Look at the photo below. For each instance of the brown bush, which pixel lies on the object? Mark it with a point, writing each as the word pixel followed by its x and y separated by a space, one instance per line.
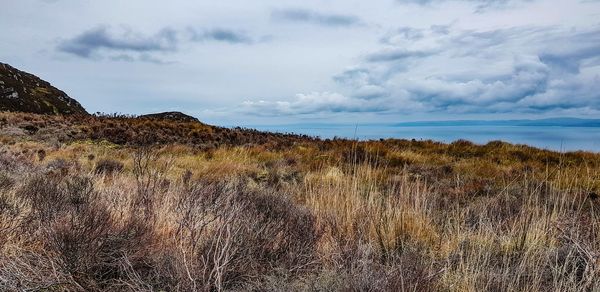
pixel 5 181
pixel 108 166
pixel 59 166
pixel 255 234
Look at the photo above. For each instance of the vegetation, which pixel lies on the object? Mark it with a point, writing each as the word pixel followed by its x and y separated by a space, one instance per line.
pixel 115 203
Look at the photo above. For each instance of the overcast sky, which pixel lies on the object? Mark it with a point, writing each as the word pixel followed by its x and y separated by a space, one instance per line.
pixel 280 61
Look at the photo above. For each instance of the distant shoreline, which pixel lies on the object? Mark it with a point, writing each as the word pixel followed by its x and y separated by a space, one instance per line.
pixel 550 122
pixel 566 137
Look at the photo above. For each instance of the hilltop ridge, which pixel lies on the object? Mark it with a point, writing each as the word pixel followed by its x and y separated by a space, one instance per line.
pixel 173 116
pixel 24 92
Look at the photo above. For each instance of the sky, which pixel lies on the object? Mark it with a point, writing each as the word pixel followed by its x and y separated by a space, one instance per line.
pixel 344 61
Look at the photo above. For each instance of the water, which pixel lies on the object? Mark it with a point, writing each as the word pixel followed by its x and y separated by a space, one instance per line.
pixel 549 137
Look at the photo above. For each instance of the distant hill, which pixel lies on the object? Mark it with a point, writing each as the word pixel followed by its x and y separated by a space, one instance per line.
pixel 552 122
pixel 172 116
pixel 24 92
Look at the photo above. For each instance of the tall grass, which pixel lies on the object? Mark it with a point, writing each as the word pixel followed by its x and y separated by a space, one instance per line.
pixel 382 218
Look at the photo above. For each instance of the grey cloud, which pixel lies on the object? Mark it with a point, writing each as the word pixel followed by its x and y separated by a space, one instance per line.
pixel 90 42
pixel 129 46
pixel 527 79
pixel 397 55
pixel 312 103
pixel 496 71
pixel 222 35
pixel 123 58
pixel 354 76
pixel 583 46
pixel 363 84
pixel 481 5
pixel 309 16
pixel 405 33
pixel 482 43
pixel 480 2
pixel 540 81
pixel 440 29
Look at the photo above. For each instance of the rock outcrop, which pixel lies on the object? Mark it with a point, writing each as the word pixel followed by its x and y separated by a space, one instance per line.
pixel 24 92
pixel 173 116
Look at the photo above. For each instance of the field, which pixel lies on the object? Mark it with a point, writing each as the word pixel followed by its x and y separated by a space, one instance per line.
pixel 115 203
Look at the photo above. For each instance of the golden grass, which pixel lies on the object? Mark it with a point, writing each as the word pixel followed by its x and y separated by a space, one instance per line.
pixel 336 215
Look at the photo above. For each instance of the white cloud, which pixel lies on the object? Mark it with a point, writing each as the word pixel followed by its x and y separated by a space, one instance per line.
pixel 516 70
pixel 315 102
pixel 346 57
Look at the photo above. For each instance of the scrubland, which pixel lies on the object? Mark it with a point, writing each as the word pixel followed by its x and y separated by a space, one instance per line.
pixel 122 204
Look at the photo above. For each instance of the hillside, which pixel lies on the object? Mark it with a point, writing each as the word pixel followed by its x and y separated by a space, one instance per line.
pixel 24 92
pixel 119 203
pixel 135 131
pixel 173 116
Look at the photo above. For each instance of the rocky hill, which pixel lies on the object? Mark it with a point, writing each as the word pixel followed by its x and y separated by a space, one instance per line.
pixel 172 116
pixel 24 92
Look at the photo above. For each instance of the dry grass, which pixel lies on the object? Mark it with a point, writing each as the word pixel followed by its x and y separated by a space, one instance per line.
pixel 310 215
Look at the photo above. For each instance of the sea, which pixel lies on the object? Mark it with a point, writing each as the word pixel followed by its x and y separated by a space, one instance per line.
pixel 558 138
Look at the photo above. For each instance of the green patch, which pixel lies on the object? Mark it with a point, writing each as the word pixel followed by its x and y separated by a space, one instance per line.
pixel 102 143
pixel 40 91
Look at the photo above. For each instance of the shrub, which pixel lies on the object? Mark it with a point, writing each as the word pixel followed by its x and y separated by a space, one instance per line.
pixel 59 166
pixel 41 154
pixel 31 129
pixel 45 195
pixel 5 181
pixel 77 229
pixel 253 233
pixel 108 166
pixel 10 163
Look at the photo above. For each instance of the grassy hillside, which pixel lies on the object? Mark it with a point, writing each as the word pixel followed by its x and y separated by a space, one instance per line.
pixel 111 203
pixel 24 92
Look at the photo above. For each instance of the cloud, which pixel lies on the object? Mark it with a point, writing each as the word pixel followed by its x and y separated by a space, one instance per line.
pixel 481 5
pixel 397 55
pixel 514 70
pixel 313 17
pixel 425 2
pixel 509 70
pixel 222 35
pixel 586 47
pixel 90 42
pixel 129 46
pixel 405 33
pixel 311 103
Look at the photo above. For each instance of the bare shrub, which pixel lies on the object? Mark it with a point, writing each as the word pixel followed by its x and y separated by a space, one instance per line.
pixel 13 163
pixel 24 270
pixel 93 249
pixel 41 154
pixel 5 181
pixel 46 197
pixel 59 167
pixel 239 235
pixel 31 129
pixel 108 166
pixel 78 239
pixel 150 177
pixel 408 272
